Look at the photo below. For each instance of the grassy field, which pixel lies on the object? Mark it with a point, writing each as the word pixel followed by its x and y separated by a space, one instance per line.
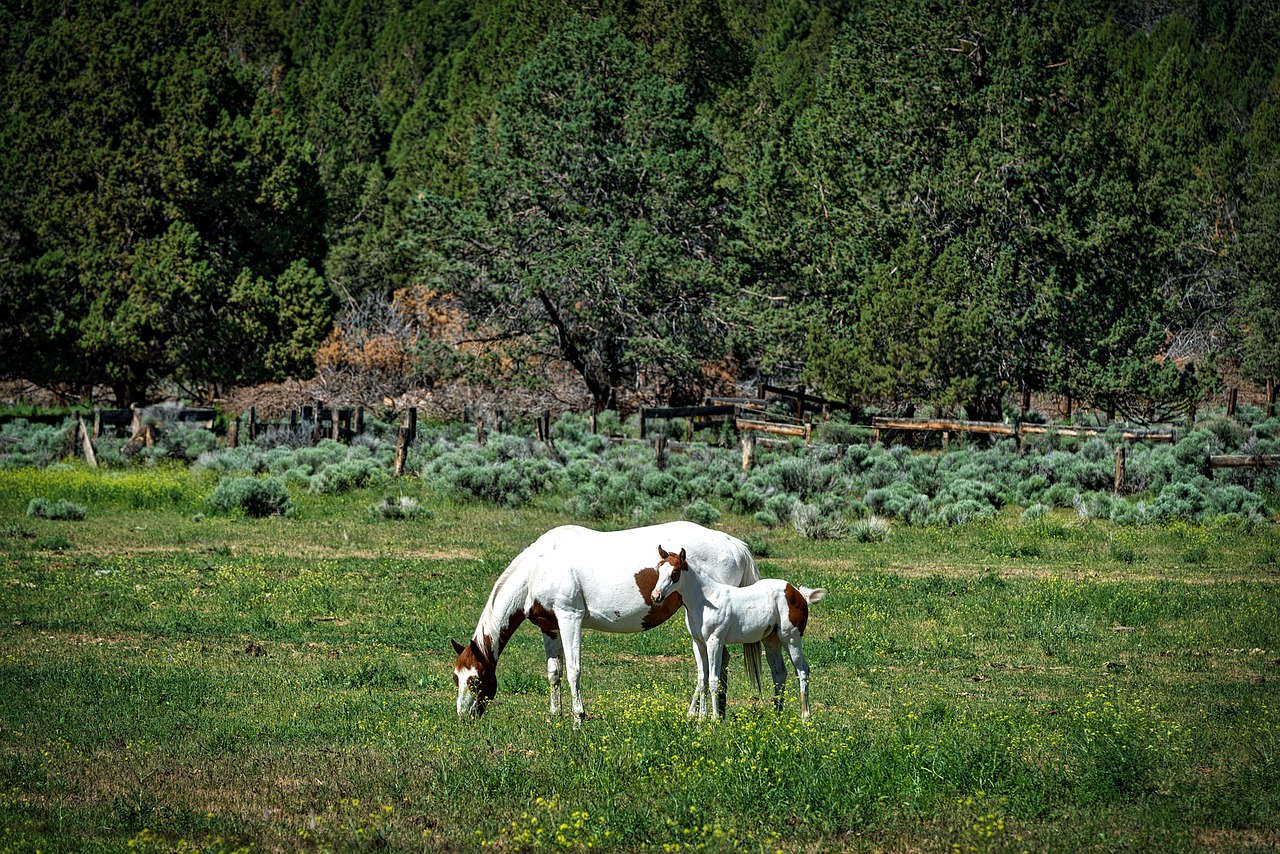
pixel 174 680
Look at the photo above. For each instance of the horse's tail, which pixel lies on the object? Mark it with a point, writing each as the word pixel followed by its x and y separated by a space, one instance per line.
pixel 750 651
pixel 751 662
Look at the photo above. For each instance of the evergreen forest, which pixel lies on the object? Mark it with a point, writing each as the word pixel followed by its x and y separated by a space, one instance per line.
pixel 892 202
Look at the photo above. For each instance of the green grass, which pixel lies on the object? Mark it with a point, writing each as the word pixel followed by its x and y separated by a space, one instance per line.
pixel 171 680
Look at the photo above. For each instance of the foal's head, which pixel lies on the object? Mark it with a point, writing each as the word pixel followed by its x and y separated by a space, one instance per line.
pixel 474 676
pixel 670 566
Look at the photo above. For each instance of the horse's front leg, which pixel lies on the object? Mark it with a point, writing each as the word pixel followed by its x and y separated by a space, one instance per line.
pixel 555 665
pixel 715 663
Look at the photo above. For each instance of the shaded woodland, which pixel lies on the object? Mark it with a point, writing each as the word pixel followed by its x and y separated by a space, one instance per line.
pixel 957 205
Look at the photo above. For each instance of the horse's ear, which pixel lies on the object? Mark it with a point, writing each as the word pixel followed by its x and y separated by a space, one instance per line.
pixel 457 647
pixel 682 557
pixel 662 553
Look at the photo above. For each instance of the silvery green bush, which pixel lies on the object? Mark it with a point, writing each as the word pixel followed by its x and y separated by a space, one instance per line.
pixel 257 497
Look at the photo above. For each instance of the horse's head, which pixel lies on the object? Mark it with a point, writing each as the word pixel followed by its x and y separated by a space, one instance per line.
pixel 669 567
pixel 474 675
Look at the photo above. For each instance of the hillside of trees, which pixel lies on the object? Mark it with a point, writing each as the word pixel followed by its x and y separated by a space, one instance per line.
pixel 892 201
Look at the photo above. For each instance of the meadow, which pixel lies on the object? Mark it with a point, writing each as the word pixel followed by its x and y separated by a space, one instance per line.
pixel 174 679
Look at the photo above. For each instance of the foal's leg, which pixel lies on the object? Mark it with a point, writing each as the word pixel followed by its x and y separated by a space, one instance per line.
pixel 555 665
pixel 696 704
pixel 715 661
pixel 699 702
pixel 777 667
pixel 796 651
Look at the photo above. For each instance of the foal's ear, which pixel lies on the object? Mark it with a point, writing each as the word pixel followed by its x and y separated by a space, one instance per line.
pixel 662 553
pixel 457 647
pixel 682 557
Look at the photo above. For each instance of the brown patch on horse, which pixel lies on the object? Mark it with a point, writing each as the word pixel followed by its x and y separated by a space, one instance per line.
pixel 660 612
pixel 797 608
pixel 478 658
pixel 517 617
pixel 544 618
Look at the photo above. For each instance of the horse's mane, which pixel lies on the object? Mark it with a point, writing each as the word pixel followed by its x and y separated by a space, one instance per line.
pixel 516 573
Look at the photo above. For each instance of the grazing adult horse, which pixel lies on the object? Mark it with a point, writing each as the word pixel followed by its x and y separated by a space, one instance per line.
pixel 771 611
pixel 573 578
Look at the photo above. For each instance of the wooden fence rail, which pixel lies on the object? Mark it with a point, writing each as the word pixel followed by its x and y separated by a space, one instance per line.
pixel 1016 431
pixel 1240 461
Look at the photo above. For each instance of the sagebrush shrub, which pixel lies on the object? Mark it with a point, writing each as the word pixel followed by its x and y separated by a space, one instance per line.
pixel 872 529
pixel 702 512
pixel 963 512
pixel 815 522
pixel 659 484
pixel 345 476
pixel 186 443
pixel 24 444
pixel 61 510
pixel 396 508
pixel 1180 501
pixel 1035 513
pixel 257 497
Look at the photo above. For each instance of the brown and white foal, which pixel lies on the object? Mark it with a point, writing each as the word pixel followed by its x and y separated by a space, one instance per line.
pixel 772 611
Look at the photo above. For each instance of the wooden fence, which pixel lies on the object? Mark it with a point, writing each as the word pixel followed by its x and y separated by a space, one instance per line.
pixel 1015 431
pixel 776 416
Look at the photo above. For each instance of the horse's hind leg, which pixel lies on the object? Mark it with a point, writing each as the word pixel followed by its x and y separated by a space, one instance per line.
pixel 722 693
pixel 777 668
pixel 571 640
pixel 555 666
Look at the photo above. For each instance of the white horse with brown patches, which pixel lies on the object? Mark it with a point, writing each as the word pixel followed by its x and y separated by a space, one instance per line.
pixel 574 578
pixel 771 611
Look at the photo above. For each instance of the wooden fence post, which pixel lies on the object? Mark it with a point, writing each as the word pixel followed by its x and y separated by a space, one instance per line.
pixel 86 443
pixel 660 450
pixel 748 450
pixel 1231 401
pixel 1271 397
pixel 97 422
pixel 358 426
pixel 253 423
pixel 1119 485
pixel 233 433
pixel 402 450
pixel 413 424
pixel 480 432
